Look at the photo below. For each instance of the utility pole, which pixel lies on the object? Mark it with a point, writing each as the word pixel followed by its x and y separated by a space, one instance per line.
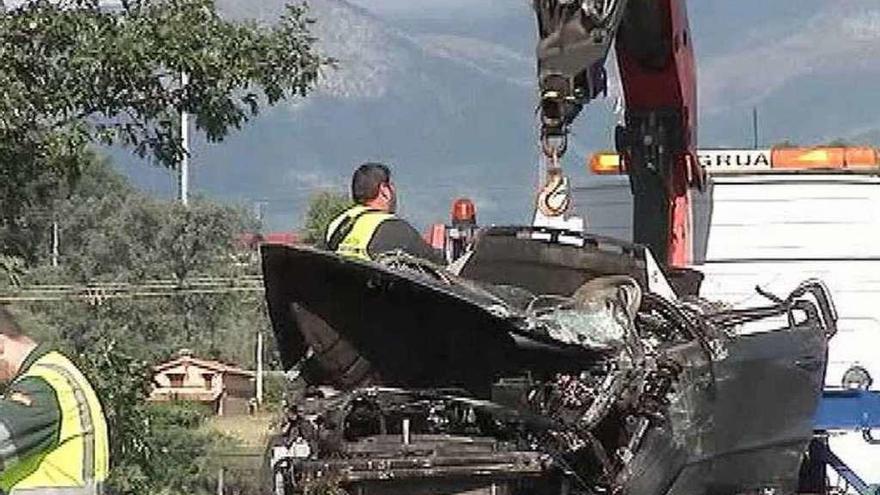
pixel 755 126
pixel 259 213
pixel 183 172
pixel 259 367
pixel 258 210
pixel 54 242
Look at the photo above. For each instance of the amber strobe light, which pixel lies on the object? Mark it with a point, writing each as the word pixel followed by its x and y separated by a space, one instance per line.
pixel 605 163
pixel 463 211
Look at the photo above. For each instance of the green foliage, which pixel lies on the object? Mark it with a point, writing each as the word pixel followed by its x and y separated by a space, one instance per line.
pixel 110 232
pixel 274 387
pixel 122 381
pixel 134 237
pixel 177 456
pixel 324 206
pixel 122 236
pixel 155 448
pixel 11 270
pixel 785 144
pixel 76 73
pixel 181 463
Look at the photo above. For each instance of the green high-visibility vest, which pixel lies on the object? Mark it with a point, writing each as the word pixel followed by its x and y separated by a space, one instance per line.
pixel 79 462
pixel 350 233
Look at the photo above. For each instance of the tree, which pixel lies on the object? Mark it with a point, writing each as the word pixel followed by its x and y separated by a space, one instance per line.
pixel 117 234
pixel 324 206
pixel 785 144
pixel 122 381
pixel 154 448
pixel 11 270
pixel 76 73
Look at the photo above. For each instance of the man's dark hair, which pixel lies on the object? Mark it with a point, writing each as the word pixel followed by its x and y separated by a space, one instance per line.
pixel 366 181
pixel 8 326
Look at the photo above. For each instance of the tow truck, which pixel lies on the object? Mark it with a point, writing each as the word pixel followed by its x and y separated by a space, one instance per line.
pixel 766 219
pixel 670 398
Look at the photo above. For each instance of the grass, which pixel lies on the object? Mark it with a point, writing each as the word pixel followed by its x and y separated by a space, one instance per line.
pixel 252 431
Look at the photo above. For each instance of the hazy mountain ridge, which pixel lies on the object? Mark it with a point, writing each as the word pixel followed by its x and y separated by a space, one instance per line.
pixel 444 123
pixel 368 52
pixel 491 59
pixel 449 99
pixel 811 74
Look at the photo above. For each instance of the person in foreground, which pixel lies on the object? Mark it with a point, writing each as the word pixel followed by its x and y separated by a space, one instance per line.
pixel 53 435
pixel 370 227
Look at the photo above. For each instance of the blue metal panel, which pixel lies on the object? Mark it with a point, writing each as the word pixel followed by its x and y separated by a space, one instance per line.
pixel 848 410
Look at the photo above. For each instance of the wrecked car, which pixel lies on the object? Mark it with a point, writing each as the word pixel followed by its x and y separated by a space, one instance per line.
pixel 545 362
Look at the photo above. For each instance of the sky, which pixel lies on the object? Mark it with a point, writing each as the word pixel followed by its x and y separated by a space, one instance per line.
pixel 424 8
pixel 402 4
pixel 809 66
pixel 413 5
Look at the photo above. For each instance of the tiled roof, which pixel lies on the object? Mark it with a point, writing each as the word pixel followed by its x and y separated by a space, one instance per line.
pixel 208 364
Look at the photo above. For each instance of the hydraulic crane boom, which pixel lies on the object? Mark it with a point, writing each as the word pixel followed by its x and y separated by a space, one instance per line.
pixel 658 139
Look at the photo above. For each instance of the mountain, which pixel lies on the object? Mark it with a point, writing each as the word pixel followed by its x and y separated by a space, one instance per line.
pixel 444 92
pixel 447 122
pixel 812 75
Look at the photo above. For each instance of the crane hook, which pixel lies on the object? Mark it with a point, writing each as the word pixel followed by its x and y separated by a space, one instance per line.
pixel 554 198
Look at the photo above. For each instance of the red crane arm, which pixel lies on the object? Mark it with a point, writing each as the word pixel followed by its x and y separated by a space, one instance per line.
pixel 658 140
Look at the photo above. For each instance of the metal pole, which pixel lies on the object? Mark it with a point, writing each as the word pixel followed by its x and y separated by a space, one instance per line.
pixel 184 143
pixel 54 243
pixel 405 431
pixel 220 487
pixel 259 368
pixel 258 210
pixel 755 126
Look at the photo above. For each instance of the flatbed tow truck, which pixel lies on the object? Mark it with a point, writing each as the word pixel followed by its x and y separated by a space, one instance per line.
pixel 848 411
pixel 766 219
pixel 656 147
pixel 550 361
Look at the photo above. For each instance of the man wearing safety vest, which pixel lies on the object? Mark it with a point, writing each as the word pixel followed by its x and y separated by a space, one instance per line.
pixel 53 436
pixel 370 227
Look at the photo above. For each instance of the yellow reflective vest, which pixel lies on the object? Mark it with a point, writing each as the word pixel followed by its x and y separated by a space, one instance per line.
pixel 79 462
pixel 350 233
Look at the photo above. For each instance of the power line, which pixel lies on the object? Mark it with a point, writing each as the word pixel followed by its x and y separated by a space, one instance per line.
pixel 98 297
pixel 428 188
pixel 147 286
pixel 187 282
pixel 100 291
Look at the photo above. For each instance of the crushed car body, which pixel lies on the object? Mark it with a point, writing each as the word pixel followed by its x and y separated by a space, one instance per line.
pixel 539 367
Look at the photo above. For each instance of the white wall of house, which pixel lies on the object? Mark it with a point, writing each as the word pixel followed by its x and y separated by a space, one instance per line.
pixel 189 375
